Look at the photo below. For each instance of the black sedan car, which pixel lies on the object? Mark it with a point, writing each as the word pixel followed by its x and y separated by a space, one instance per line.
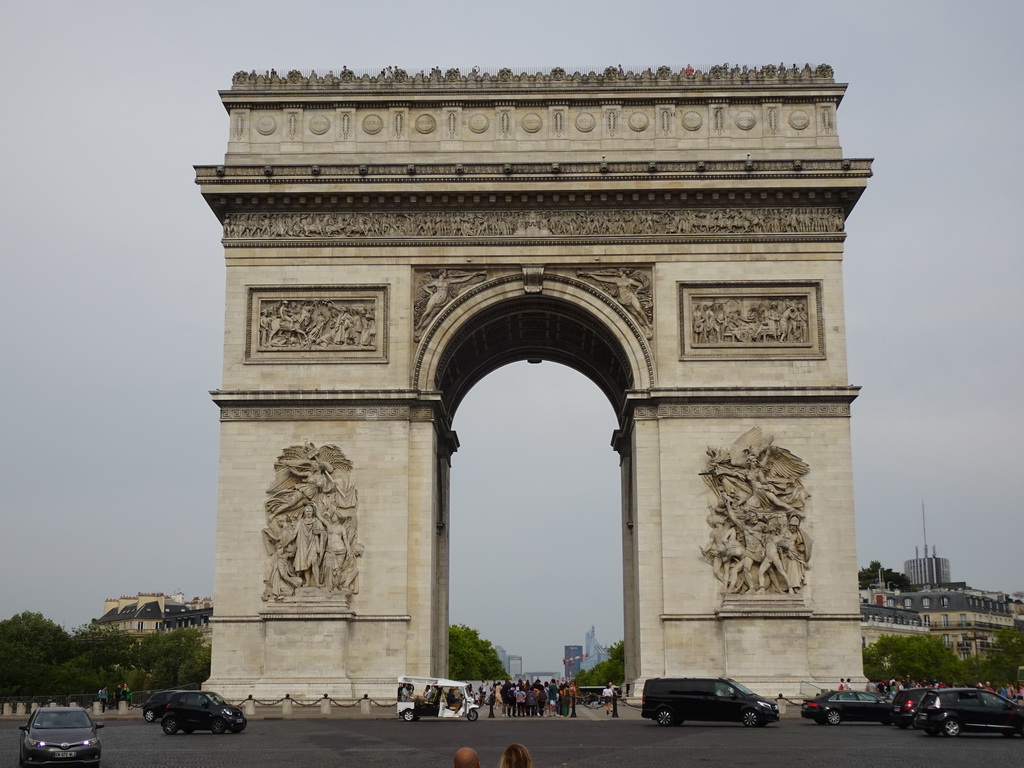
pixel 190 711
pixel 952 711
pixel 59 735
pixel 833 707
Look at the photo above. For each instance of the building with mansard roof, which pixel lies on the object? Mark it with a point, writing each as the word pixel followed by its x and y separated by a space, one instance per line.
pixel 150 612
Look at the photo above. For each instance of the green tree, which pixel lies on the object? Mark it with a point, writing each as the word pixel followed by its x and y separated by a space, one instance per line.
pixel 172 658
pixel 471 657
pixel 1001 666
pixel 915 657
pixel 31 648
pixel 105 646
pixel 874 573
pixel 611 670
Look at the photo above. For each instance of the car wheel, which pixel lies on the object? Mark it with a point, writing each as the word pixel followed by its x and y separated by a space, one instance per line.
pixel 951 728
pixel 750 718
pixel 408 715
pixel 217 725
pixel 170 725
pixel 664 716
pixel 472 715
pixel 903 726
pixel 833 717
pixel 149 715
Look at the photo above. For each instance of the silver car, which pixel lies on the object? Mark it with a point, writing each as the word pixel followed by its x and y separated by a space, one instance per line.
pixel 59 735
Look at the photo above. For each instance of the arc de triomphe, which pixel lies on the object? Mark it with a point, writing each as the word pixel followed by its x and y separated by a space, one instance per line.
pixel 390 239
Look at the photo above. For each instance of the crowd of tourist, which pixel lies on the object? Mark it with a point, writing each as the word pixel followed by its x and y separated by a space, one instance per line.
pixel 525 699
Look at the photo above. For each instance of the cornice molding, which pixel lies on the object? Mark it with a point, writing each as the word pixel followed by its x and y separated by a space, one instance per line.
pixel 743 402
pixel 548 172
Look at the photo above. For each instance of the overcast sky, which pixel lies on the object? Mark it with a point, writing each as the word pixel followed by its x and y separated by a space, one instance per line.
pixel 112 276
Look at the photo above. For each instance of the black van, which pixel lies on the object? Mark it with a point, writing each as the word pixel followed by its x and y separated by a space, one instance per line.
pixel 672 700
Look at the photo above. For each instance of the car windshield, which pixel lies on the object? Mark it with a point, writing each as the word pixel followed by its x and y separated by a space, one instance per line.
pixel 742 688
pixel 216 699
pixel 62 720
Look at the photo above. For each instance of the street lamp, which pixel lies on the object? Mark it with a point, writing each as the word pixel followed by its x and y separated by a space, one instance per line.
pixel 972 637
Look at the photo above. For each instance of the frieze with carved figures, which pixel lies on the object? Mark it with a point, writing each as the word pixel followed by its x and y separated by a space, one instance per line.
pixel 570 223
pixel 329 324
pixel 750 320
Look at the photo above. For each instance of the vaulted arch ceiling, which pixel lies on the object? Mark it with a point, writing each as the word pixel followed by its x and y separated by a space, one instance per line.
pixel 533 328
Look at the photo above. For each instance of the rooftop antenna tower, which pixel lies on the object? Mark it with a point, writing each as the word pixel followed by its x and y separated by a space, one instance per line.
pixel 924 525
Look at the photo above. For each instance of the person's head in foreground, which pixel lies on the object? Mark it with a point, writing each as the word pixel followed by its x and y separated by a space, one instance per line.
pixel 515 756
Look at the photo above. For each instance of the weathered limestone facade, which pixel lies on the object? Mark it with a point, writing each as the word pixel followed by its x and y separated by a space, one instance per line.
pixel 389 240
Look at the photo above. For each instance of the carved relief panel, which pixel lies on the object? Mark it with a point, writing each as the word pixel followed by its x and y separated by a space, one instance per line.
pixel 534 223
pixel 758 542
pixel 311 536
pixel 631 288
pixel 434 289
pixel 742 321
pixel 322 324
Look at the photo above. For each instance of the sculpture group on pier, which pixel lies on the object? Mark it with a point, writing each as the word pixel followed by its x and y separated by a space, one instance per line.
pixel 311 534
pixel 758 543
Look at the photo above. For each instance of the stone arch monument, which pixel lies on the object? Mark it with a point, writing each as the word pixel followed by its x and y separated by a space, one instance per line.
pixel 390 238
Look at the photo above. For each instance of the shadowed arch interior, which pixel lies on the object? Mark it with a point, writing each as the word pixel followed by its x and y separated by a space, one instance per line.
pixel 533 328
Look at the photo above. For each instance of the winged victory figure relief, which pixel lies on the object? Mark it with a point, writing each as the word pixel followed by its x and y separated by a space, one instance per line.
pixel 758 543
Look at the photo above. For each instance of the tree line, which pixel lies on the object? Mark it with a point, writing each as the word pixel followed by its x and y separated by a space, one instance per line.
pixel 926 658
pixel 38 657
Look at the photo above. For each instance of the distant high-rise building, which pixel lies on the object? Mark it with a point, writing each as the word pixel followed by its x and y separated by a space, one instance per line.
pixel 571 660
pixel 927 570
pixel 502 657
pixel 593 651
pixel 515 666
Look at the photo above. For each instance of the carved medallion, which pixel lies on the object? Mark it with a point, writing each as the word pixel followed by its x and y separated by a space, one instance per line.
pixel 479 123
pixel 638 121
pixel 373 124
pixel 745 120
pixel 319 125
pixel 266 125
pixel 585 122
pixel 692 121
pixel 531 123
pixel 425 124
pixel 311 536
pixel 799 120
pixel 757 543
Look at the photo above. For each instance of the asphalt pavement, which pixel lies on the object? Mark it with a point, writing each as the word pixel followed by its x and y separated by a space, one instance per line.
pixel 590 741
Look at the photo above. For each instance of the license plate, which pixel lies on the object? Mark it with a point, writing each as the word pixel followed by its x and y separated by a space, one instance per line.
pixel 65 754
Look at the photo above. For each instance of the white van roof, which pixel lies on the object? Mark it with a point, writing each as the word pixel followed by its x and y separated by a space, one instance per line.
pixel 441 681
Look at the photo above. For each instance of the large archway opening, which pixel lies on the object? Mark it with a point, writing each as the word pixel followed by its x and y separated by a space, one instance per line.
pixel 535 515
pixel 536 386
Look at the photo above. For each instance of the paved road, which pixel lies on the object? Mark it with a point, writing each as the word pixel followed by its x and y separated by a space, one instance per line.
pixel 559 743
